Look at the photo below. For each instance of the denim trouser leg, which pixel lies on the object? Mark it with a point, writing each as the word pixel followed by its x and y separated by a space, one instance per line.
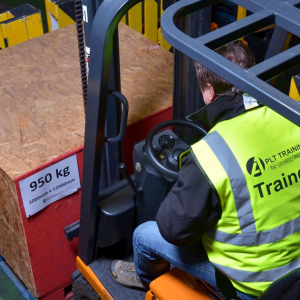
pixel 153 256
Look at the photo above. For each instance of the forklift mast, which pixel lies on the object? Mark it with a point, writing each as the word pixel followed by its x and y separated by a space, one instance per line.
pixel 104 43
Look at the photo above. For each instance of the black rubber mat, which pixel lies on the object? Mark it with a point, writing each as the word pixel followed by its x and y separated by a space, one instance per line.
pixel 116 290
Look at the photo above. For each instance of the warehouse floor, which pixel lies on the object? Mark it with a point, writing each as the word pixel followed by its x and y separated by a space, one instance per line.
pixel 10 286
pixel 8 290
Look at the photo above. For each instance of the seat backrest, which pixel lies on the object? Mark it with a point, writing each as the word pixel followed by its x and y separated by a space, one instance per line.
pixel 284 288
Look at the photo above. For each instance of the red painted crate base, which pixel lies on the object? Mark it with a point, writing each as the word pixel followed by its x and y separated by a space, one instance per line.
pixel 63 293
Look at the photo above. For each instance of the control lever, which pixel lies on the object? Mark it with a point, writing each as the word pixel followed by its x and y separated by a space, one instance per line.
pixel 124 171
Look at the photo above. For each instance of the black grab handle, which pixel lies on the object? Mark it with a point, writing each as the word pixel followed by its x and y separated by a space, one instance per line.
pixel 124 117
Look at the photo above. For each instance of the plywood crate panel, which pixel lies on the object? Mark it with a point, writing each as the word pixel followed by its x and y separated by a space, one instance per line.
pixel 42 122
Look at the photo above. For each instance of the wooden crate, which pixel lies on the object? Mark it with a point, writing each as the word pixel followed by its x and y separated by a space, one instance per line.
pixel 42 122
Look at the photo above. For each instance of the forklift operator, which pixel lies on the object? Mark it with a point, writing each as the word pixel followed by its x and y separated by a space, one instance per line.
pixel 235 206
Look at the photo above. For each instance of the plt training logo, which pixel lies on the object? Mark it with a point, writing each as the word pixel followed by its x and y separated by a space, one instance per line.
pixel 255 167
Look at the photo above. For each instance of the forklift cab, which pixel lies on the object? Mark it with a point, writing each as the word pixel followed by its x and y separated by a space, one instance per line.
pixel 109 217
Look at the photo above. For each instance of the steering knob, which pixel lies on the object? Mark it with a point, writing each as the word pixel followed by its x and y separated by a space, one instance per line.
pixel 176 153
pixel 173 158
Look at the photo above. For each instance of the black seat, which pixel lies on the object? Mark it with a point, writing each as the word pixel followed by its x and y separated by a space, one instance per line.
pixel 284 288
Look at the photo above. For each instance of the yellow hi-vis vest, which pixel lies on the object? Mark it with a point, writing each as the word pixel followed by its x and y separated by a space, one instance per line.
pixel 253 163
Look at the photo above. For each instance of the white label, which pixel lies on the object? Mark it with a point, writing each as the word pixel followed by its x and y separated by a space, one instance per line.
pixel 49 185
pixel 85 14
pixel 54 22
pixel 249 102
pixel 87 51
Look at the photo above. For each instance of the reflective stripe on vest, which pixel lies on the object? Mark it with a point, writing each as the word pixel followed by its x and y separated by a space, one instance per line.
pixel 237 180
pixel 261 276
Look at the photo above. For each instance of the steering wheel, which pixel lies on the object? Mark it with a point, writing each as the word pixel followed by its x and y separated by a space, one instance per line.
pixel 150 151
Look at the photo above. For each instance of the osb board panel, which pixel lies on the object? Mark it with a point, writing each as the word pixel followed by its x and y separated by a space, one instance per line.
pixel 13 245
pixel 41 107
pixel 146 74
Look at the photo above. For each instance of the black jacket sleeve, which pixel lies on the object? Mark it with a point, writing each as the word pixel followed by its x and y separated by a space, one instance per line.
pixel 191 207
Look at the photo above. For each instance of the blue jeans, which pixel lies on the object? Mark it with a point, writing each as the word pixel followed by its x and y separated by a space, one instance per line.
pixel 153 256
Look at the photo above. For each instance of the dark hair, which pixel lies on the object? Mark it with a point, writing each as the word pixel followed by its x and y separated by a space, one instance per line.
pixel 237 52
